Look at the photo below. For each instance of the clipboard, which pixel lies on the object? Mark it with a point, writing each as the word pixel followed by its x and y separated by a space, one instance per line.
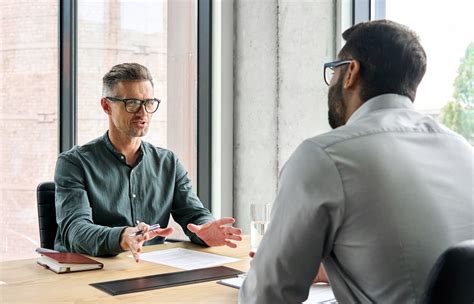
pixel 164 280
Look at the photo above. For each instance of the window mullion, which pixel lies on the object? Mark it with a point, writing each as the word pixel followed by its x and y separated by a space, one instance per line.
pixel 67 74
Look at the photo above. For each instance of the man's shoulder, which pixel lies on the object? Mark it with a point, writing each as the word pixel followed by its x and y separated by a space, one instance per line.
pixel 161 153
pixel 332 137
pixel 76 151
pixel 383 124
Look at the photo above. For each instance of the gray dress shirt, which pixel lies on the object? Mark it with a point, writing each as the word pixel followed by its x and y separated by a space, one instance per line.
pixel 376 201
pixel 98 195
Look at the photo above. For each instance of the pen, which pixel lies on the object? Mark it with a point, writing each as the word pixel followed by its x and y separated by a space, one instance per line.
pixel 41 250
pixel 151 228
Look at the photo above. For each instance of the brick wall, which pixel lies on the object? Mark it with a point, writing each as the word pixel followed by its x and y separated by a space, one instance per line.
pixel 29 98
pixel 28 118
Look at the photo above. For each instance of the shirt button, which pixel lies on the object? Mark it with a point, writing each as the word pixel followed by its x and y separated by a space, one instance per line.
pixel 134 195
pixel 122 157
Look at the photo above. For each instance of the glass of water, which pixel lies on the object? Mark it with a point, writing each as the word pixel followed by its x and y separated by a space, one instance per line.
pixel 259 220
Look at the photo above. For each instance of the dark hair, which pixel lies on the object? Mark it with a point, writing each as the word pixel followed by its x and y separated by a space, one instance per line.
pixel 391 57
pixel 124 72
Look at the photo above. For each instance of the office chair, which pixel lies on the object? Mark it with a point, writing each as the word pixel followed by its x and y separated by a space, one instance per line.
pixel 451 279
pixel 46 214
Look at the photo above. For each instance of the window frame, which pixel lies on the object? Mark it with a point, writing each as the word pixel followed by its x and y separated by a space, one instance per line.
pixel 67 103
pixel 366 10
pixel 204 103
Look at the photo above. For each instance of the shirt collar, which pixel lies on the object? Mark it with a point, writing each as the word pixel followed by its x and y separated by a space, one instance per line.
pixel 385 101
pixel 109 145
pixel 120 156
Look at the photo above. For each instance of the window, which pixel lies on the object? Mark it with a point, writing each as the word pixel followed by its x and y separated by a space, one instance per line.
pixel 28 118
pixel 158 34
pixel 445 30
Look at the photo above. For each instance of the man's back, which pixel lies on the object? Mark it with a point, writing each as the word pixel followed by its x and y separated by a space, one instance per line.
pixel 408 185
pixel 378 199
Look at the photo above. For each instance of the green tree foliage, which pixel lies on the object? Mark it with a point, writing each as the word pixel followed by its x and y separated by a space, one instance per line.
pixel 458 114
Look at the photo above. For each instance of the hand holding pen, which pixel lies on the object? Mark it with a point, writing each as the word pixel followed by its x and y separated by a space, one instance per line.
pixel 132 238
pixel 150 229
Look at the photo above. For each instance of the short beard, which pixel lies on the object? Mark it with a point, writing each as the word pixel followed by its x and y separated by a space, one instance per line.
pixel 135 133
pixel 336 104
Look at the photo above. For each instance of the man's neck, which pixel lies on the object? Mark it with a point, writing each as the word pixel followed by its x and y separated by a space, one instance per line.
pixel 128 146
pixel 353 102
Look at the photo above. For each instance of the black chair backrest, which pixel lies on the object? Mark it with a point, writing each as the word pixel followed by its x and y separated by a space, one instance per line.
pixel 46 214
pixel 451 279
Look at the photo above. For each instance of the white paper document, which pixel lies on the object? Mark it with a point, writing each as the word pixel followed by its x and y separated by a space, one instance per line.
pixel 233 282
pixel 318 293
pixel 185 258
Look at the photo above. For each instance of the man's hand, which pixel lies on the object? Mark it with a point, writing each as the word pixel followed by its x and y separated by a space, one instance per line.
pixel 216 234
pixel 134 243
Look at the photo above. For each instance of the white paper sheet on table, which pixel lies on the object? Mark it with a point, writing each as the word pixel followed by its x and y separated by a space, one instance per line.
pixel 185 258
pixel 318 293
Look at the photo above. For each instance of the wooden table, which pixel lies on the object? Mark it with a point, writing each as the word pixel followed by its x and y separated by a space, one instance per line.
pixel 24 281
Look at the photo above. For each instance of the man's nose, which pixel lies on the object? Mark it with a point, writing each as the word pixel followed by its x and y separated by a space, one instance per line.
pixel 141 111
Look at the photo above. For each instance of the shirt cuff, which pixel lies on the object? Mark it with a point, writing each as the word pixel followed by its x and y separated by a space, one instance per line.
pixel 114 240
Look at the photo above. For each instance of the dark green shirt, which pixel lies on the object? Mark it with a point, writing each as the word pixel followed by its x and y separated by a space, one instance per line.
pixel 98 195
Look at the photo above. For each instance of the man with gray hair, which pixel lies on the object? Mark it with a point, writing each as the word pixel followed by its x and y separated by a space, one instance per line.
pixel 110 188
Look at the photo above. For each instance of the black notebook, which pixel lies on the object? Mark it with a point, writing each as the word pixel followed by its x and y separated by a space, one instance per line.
pixel 166 280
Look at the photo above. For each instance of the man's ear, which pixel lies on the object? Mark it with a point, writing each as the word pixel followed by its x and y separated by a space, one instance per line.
pixel 352 74
pixel 105 106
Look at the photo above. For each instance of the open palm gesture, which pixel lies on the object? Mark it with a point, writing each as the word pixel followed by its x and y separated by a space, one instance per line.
pixel 215 233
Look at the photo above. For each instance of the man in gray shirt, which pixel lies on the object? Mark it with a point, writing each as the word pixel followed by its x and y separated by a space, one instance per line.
pixel 107 186
pixel 377 199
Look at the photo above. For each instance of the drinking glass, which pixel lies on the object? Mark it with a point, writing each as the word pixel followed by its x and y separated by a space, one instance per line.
pixel 259 220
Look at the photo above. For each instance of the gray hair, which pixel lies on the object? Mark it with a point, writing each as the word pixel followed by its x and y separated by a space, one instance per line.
pixel 124 72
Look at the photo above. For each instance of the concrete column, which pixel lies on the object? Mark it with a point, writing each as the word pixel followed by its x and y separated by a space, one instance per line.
pixel 306 41
pixel 255 105
pixel 280 97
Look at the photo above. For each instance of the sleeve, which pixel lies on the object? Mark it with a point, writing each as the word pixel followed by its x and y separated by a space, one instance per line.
pixel 306 214
pixel 187 208
pixel 77 232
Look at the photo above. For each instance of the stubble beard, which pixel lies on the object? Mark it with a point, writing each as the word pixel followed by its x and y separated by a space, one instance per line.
pixel 132 132
pixel 336 104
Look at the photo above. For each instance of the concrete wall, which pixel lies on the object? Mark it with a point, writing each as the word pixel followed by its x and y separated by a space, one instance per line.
pixel 280 97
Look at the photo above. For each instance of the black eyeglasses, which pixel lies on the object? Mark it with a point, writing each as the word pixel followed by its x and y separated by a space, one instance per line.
pixel 329 69
pixel 133 105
